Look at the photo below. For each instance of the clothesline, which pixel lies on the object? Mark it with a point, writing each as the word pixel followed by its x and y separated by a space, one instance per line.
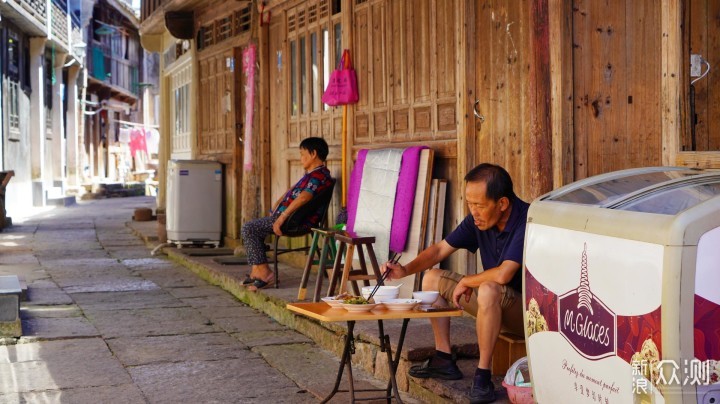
pixel 137 124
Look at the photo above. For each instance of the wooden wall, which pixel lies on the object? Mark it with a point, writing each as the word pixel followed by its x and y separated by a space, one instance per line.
pixel 502 59
pixel 702 37
pixel 616 85
pixel 405 58
pixel 295 66
pixel 220 101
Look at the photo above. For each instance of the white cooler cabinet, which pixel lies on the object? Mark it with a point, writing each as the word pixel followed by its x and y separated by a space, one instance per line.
pixel 622 277
pixel 194 205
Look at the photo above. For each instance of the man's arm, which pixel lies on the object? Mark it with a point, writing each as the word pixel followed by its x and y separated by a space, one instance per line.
pixel 501 274
pixel 426 259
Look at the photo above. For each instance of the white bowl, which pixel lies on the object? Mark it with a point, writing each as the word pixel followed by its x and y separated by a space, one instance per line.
pixel 426 297
pixel 332 302
pixel 401 304
pixel 358 308
pixel 383 293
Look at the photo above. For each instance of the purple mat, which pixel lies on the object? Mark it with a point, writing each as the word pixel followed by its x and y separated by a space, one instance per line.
pixel 404 198
pixel 354 188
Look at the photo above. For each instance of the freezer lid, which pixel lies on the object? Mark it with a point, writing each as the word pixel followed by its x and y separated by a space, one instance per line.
pixel 673 198
pixel 612 190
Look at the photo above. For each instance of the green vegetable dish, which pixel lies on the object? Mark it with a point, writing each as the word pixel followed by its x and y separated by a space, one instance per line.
pixel 355 300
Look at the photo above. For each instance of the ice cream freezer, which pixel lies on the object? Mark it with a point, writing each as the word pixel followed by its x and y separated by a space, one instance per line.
pixel 194 202
pixel 622 289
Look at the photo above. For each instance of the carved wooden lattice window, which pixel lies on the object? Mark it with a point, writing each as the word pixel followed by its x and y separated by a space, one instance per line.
pixel 208 35
pixel 242 21
pixel 291 23
pixel 223 29
pixel 324 8
pixel 314 46
pixel 312 14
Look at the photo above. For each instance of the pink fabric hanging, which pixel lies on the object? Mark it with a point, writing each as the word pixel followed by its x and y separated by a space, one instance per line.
pixel 137 141
pixel 249 57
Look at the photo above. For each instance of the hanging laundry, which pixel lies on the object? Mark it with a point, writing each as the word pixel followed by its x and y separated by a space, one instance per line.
pixel 137 141
pixel 124 136
pixel 152 140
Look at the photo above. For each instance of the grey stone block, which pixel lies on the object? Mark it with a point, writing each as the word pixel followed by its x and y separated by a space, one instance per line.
pixel 9 307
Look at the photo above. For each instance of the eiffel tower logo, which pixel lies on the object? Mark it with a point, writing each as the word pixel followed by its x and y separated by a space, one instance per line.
pixel 585 296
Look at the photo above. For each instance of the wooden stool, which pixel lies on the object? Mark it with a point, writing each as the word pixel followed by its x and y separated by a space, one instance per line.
pixel 347 243
pixel 508 348
pixel 328 251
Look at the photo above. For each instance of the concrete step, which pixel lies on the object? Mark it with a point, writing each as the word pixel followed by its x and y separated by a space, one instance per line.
pixel 61 201
pixel 10 291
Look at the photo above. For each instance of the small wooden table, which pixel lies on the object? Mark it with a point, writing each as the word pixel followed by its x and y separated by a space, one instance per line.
pixel 323 312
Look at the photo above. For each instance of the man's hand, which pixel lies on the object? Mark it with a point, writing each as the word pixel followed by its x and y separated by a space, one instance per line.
pixel 460 290
pixel 397 271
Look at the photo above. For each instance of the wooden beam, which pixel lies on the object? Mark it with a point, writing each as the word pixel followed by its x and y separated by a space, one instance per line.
pixel 466 94
pixel 541 164
pixel 348 137
pixel 671 72
pixel 561 91
pixel 465 85
pixel 263 91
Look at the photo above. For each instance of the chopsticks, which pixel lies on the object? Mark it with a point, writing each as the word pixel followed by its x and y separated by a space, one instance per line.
pixel 393 260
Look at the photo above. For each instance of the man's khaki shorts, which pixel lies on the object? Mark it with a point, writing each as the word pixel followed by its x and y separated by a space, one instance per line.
pixel 510 302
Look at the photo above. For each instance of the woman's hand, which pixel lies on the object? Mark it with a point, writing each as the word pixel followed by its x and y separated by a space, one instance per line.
pixel 277 224
pixel 460 290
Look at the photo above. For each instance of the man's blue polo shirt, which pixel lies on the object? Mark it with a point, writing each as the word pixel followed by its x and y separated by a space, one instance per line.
pixel 495 246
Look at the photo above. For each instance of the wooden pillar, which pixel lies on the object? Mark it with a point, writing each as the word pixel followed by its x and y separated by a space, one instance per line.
pixel 466 140
pixel 347 39
pixel 671 17
pixel 263 93
pixel 561 103
pixel 541 168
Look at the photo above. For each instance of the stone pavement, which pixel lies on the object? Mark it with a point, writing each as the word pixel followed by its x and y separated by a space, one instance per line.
pixel 107 322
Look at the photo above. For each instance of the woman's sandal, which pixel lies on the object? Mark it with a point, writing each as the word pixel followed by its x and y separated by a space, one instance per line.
pixel 248 280
pixel 261 284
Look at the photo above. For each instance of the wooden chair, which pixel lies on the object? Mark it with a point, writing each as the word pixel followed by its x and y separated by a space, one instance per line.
pixel 293 226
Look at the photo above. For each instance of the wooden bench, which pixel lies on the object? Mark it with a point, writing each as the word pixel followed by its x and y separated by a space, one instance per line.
pixel 508 348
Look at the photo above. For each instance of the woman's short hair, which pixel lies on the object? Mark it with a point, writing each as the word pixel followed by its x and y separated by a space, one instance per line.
pixel 497 181
pixel 315 144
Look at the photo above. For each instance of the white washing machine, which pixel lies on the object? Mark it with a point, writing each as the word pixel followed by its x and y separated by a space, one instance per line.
pixel 194 202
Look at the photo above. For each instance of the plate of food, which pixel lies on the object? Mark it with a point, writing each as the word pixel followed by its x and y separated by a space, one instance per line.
pixel 401 304
pixel 357 304
pixel 333 301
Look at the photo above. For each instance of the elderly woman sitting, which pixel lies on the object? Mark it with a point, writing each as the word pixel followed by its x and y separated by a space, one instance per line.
pixel 313 152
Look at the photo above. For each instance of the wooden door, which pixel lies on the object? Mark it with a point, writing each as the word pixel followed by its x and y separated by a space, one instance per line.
pixel 502 59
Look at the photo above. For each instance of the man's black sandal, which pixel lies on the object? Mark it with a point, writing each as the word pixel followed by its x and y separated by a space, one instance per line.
pixel 427 371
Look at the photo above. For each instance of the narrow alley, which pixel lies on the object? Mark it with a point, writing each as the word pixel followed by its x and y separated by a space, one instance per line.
pixel 106 322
